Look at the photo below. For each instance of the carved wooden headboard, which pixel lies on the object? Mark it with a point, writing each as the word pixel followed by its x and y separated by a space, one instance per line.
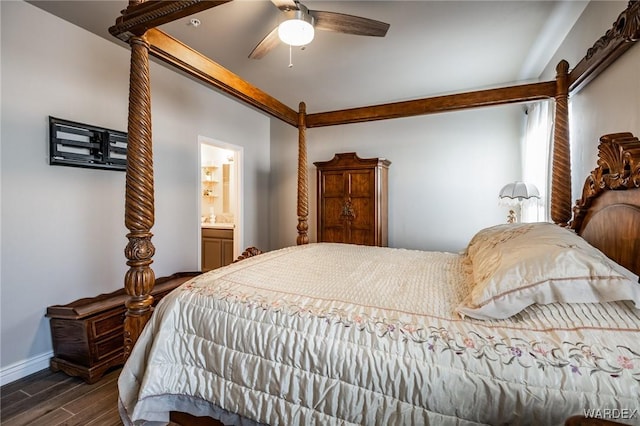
pixel 608 214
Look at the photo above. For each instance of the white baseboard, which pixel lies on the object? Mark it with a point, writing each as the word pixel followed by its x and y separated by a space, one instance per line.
pixel 21 369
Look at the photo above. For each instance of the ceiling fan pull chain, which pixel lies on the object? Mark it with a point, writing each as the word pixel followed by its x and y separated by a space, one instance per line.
pixel 290 62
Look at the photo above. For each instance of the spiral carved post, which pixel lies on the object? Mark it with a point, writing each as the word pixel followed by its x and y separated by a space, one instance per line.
pixel 303 184
pixel 561 171
pixel 139 201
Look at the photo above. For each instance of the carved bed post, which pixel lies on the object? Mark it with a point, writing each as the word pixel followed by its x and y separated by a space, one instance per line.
pixel 303 184
pixel 561 164
pixel 139 202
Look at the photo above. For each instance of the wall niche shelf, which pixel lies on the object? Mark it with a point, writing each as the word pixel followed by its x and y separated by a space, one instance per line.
pixel 209 182
pixel 207 172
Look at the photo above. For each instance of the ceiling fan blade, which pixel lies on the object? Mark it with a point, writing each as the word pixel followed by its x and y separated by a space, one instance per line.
pixel 349 24
pixel 269 42
pixel 285 5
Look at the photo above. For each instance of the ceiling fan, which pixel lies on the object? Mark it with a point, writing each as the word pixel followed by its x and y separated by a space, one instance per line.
pixel 297 28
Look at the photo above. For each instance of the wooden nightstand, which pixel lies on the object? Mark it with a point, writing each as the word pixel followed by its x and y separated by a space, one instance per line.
pixel 88 334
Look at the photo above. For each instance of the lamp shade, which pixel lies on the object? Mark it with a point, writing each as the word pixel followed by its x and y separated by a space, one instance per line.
pixel 519 190
pixel 297 30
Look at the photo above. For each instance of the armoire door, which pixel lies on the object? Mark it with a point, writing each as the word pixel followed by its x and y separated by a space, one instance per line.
pixel 333 225
pixel 361 196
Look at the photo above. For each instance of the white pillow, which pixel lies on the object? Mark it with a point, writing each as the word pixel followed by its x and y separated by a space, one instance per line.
pixel 517 265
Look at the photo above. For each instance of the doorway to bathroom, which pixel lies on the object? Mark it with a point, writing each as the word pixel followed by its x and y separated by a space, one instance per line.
pixel 220 206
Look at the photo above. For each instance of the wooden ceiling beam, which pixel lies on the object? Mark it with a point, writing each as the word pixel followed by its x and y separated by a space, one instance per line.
pixel 197 65
pixel 624 33
pixel 138 18
pixel 181 56
pixel 499 96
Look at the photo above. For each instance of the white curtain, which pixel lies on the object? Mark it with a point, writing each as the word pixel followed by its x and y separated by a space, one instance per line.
pixel 536 160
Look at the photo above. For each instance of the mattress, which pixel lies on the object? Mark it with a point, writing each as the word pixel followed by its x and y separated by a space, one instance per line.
pixel 333 334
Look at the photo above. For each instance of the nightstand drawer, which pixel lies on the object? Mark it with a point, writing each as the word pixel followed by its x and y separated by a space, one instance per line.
pixel 107 347
pixel 108 323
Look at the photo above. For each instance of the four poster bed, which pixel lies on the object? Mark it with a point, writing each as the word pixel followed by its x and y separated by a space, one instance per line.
pixel 531 324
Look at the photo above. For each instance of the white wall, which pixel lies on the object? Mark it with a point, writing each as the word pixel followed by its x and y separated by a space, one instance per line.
pixel 611 102
pixel 445 174
pixel 63 232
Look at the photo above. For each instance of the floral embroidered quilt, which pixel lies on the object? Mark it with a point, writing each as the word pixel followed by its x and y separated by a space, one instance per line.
pixel 333 334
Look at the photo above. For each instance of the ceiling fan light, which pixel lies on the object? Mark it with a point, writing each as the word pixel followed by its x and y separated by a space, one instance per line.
pixel 298 30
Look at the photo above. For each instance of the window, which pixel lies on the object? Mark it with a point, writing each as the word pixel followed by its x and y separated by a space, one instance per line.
pixel 536 146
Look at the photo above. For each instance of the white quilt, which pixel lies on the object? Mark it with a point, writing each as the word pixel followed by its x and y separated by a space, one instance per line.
pixel 331 334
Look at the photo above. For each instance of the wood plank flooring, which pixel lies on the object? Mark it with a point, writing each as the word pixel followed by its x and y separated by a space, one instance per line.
pixel 51 399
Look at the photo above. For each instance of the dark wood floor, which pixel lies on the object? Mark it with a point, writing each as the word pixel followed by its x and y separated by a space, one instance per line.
pixel 55 399
pixel 50 399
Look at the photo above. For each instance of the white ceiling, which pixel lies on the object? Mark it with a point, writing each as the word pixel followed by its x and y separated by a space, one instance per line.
pixel 432 47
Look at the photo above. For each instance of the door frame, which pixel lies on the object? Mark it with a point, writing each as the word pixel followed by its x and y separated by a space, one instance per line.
pixel 238 234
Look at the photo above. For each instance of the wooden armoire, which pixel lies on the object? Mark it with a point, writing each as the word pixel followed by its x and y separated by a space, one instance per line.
pixel 353 200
